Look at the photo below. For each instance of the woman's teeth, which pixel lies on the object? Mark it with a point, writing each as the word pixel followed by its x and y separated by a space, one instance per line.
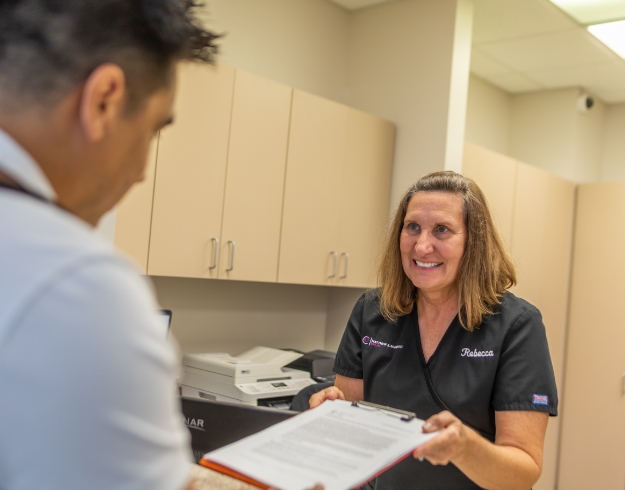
pixel 427 265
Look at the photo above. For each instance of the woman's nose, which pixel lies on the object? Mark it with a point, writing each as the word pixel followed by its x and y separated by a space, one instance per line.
pixel 424 244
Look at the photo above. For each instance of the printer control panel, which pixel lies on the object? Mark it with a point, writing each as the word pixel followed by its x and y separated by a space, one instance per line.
pixel 275 386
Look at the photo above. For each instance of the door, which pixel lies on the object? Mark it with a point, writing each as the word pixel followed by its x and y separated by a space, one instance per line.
pixel 190 175
pixel 593 421
pixel 250 236
pixel 134 215
pixel 309 245
pixel 365 190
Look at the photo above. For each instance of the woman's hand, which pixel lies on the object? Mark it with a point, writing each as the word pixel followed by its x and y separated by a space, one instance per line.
pixel 330 393
pixel 450 444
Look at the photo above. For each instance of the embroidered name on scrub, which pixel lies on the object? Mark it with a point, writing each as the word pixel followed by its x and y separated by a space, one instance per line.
pixel 476 353
pixel 376 343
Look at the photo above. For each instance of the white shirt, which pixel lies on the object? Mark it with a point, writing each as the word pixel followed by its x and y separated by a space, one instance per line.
pixel 86 378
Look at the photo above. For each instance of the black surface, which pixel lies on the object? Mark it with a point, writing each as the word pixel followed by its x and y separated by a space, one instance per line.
pixel 224 423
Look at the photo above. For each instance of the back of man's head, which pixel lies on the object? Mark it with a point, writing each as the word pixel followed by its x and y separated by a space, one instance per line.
pixel 49 47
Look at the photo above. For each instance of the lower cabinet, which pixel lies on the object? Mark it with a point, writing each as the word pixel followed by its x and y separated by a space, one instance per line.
pixel 593 420
pixel 533 211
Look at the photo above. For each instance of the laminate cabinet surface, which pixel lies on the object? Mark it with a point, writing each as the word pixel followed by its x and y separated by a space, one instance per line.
pixel 593 425
pixel 134 215
pixel 541 247
pixel 255 179
pixel 190 176
pixel 312 197
pixel 365 190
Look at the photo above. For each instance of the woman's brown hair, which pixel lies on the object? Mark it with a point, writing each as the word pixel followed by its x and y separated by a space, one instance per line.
pixel 486 270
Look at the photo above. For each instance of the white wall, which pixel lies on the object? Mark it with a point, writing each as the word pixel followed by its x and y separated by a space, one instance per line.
pixel 301 43
pixel 401 59
pixel 613 158
pixel 548 131
pixel 489 116
pixel 231 316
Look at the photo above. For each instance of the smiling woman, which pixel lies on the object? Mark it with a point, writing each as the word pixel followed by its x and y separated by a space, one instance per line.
pixel 452 345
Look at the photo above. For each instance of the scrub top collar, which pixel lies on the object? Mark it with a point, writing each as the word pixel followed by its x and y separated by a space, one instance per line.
pixel 21 167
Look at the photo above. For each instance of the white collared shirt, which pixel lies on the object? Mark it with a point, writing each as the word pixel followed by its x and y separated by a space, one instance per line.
pixel 86 377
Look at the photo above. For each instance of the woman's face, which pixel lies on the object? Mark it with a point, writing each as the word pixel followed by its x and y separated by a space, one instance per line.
pixel 432 241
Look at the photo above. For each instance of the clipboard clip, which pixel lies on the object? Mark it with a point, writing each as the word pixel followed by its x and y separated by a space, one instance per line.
pixel 402 414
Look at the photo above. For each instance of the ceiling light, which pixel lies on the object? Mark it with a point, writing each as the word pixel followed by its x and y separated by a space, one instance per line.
pixel 593 11
pixel 612 35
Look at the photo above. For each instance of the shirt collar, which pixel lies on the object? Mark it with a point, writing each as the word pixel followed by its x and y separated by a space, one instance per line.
pixel 21 167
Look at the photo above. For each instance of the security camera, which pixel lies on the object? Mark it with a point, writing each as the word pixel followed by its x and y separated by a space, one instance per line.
pixel 585 103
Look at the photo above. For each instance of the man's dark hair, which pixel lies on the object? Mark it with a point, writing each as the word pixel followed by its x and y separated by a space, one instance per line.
pixel 49 47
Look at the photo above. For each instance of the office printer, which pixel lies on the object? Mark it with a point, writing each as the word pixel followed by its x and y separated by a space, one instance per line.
pixel 257 377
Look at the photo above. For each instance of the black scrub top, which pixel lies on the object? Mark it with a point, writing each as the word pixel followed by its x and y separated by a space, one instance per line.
pixel 504 364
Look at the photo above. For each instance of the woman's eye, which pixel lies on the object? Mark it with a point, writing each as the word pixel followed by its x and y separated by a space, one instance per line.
pixel 441 229
pixel 412 228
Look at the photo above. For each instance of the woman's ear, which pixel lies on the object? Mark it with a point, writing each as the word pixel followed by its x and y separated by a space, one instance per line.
pixel 103 100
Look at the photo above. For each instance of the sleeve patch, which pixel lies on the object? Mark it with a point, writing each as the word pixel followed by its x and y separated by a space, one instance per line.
pixel 540 399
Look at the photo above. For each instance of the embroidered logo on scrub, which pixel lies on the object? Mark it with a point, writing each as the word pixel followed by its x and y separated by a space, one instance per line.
pixel 476 353
pixel 376 343
pixel 540 399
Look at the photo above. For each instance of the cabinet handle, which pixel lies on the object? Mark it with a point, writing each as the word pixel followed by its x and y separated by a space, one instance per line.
pixel 345 271
pixel 232 245
pixel 336 260
pixel 623 384
pixel 215 243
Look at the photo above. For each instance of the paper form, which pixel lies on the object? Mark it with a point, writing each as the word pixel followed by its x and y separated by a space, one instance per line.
pixel 338 445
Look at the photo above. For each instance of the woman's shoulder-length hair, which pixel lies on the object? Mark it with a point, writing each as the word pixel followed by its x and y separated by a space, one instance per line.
pixel 486 270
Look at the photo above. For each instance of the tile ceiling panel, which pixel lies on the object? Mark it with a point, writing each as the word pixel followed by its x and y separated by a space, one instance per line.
pixel 505 19
pixel 549 51
pixel 607 77
pixel 357 4
pixel 615 97
pixel 485 67
pixel 515 83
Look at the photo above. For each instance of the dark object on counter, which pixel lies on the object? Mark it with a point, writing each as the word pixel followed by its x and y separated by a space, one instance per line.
pixel 215 424
pixel 318 363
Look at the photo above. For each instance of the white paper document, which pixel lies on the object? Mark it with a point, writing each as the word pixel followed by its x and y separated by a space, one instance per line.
pixel 338 445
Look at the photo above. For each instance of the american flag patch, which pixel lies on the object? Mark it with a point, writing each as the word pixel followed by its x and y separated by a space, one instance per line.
pixel 540 399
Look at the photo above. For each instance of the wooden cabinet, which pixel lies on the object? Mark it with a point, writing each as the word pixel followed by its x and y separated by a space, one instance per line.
pixel 365 190
pixel 533 211
pixel 191 171
pixel 250 234
pixel 593 424
pixel 134 215
pixel 336 193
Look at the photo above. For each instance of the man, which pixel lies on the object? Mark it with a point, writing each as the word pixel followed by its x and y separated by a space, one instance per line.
pixel 86 380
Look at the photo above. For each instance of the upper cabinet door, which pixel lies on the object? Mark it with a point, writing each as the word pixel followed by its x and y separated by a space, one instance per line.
pixel 250 237
pixel 364 192
pixel 309 247
pixel 134 214
pixel 190 175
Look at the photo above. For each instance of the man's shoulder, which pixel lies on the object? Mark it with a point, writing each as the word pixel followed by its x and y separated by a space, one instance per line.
pixel 41 244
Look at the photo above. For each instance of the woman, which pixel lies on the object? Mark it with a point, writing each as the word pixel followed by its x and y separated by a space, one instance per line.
pixel 442 337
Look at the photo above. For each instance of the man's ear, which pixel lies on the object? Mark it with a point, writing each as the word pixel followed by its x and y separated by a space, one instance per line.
pixel 103 100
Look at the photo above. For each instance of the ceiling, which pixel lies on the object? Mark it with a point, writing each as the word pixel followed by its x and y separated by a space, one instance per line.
pixel 527 45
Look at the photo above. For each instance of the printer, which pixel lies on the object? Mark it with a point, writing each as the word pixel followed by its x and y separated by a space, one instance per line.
pixel 257 377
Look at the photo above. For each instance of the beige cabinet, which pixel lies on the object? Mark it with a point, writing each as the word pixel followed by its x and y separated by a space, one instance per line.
pixel 533 211
pixel 250 234
pixel 134 215
pixel 593 425
pixel 191 171
pixel 365 190
pixel 336 193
